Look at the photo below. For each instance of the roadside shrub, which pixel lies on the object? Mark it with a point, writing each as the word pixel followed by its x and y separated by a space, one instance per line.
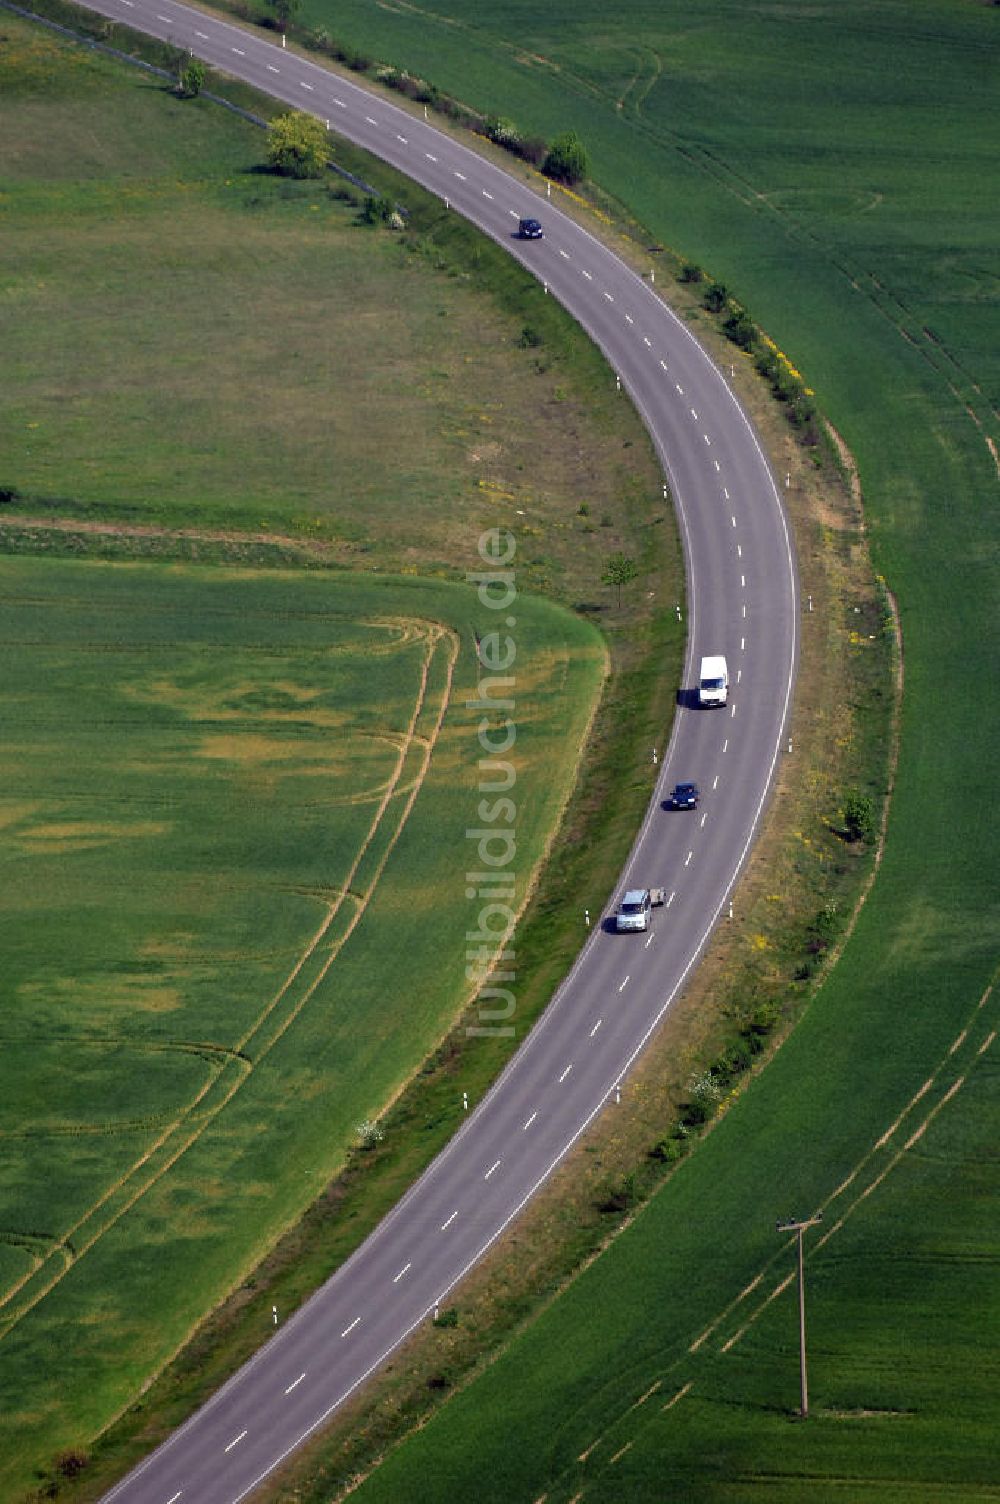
pixel 739 328
pixel 859 816
pixel 503 132
pixel 447 1318
pixel 704 1095
pixel 715 297
pixel 670 1149
pixel 191 79
pixel 369 1133
pixel 376 211
pixel 619 1198
pixel 689 272
pixel 71 1462
pixel 566 159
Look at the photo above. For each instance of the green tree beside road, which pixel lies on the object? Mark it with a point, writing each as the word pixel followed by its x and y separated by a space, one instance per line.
pixel 619 570
pixel 566 160
pixel 297 145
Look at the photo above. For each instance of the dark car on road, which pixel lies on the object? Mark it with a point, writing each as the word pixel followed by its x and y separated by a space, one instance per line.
pixel 529 229
pixel 684 796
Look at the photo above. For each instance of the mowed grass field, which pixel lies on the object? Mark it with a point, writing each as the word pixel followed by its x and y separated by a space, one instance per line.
pixel 831 164
pixel 192 342
pixel 233 921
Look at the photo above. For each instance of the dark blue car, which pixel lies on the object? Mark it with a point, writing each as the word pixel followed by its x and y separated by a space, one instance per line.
pixel 684 796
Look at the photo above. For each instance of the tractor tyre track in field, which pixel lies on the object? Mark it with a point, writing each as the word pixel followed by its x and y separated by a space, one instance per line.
pixel 70 1246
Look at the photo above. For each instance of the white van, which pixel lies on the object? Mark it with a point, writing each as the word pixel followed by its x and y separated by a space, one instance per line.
pixel 713 681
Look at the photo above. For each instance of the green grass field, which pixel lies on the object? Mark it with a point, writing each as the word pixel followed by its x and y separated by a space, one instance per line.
pixel 224 793
pixel 831 165
pixel 226 790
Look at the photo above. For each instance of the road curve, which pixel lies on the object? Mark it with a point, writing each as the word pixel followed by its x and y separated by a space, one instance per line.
pixel 742 601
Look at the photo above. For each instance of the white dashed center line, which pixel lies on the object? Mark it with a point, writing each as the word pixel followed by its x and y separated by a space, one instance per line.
pixel 743 644
pixel 295 1383
pixel 203 35
pixel 495 1165
pixel 397 1277
pixel 402 139
pixel 349 1329
pixel 694 415
pixel 739 675
pixel 564 255
pixel 234 1441
pixel 272 69
pixel 743 582
pixel 461 176
pixel 663 365
pixel 707 439
pixel 596 1027
pixel 174 1497
pixel 703 819
pixel 609 297
pixel 566 1072
pixel 588 276
pixel 370 120
pixel 305 85
pixel 238 50
pixel 629 319
pixel 647 341
pixel 487 195
pixel 649 940
pixel 623 985
pixel 430 156
pixel 725 745
pixel 739 550
pixel 732 713
pixel 340 104
pixel 716 464
pixel 725 492
pixel 715 781
pixel 688 857
pixel 528 1122
pixel 445 1225
pixel 670 899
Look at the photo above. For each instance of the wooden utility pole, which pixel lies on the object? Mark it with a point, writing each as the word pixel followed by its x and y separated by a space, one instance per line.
pixel 798 1225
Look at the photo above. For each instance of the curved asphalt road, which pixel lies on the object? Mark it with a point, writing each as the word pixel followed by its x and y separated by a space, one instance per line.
pixel 742 602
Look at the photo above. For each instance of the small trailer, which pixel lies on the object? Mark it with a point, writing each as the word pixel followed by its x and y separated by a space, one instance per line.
pixel 635 912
